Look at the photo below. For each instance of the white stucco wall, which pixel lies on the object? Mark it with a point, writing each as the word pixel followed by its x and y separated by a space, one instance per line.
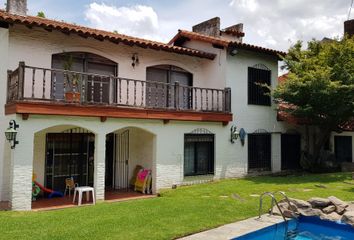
pixel 250 117
pixel 25 42
pixel 39 154
pixel 142 149
pixel 233 70
pixel 254 117
pixel 167 164
pixel 214 72
pixel 4 152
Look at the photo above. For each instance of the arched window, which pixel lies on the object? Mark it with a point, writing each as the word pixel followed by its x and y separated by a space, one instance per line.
pixel 161 90
pixel 87 63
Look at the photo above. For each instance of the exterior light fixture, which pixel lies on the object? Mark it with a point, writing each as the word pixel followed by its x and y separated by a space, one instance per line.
pixel 11 133
pixel 233 52
pixel 233 134
pixel 135 60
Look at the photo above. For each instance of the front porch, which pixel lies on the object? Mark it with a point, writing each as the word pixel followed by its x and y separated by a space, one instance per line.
pixel 107 161
pixel 67 201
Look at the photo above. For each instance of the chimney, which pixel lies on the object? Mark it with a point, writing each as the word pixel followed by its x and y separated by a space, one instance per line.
pixel 237 28
pixel 18 7
pixel 210 27
pixel 349 27
pixel 233 33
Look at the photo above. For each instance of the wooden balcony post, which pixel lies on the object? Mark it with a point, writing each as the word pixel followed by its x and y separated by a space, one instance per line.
pixel 227 100
pixel 176 95
pixel 110 90
pixel 9 72
pixel 21 79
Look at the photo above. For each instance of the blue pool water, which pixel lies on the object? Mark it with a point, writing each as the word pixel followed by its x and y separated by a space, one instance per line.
pixel 307 228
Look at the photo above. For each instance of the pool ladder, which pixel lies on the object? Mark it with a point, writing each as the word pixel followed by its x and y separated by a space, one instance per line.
pixel 289 234
pixel 274 201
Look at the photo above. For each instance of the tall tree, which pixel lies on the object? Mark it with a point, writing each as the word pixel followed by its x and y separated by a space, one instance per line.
pixel 320 85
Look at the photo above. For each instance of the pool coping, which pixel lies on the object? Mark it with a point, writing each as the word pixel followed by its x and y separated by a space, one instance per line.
pixel 236 229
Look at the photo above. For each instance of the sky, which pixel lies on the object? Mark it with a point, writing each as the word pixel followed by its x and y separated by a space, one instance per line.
pixel 275 24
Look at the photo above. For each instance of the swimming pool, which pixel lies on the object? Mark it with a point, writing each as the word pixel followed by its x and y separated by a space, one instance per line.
pixel 307 228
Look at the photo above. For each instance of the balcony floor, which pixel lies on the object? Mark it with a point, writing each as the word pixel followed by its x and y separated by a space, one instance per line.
pixel 26 108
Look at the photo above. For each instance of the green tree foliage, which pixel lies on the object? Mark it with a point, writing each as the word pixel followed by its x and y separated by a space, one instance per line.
pixel 320 85
pixel 41 14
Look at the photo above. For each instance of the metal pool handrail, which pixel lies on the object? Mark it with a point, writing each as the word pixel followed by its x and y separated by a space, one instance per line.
pixel 274 200
pixel 286 199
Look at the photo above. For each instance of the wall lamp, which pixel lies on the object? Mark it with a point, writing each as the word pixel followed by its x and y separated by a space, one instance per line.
pixel 11 133
pixel 135 60
pixel 233 52
pixel 234 135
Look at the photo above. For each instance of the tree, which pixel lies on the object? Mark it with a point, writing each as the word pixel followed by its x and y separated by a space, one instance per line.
pixel 320 86
pixel 41 14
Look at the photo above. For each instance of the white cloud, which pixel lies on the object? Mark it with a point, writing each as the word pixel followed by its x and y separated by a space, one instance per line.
pixel 276 23
pixel 268 23
pixel 248 5
pixel 138 20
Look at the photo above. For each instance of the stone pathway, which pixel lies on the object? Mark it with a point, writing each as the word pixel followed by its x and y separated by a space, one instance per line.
pixel 236 229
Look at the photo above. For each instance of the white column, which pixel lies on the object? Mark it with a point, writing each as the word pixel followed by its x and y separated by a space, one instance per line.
pixel 99 163
pixel 276 152
pixel 21 172
pixel 4 152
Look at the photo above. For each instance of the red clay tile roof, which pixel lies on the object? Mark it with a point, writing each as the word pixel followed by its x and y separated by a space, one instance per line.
pixel 223 42
pixel 348 126
pixel 199 37
pixel 101 35
pixel 282 78
pixel 233 32
pixel 284 115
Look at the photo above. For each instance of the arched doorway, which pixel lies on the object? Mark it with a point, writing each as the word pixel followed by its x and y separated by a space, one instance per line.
pixel 161 89
pixel 127 150
pixel 62 152
pixel 69 154
pixel 89 85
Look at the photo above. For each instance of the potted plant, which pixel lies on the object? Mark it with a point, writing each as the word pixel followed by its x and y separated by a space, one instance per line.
pixel 71 81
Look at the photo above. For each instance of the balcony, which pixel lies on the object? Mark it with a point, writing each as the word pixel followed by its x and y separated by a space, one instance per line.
pixel 43 91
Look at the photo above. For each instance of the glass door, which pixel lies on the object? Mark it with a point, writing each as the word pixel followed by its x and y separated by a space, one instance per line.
pixel 160 87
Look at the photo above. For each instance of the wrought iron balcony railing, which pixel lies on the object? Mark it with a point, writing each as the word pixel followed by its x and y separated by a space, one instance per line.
pixel 28 83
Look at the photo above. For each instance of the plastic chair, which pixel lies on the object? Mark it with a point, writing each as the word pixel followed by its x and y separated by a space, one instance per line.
pixel 70 185
pixel 143 181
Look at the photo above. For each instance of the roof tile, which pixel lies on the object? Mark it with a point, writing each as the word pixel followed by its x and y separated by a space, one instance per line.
pixel 223 42
pixel 82 31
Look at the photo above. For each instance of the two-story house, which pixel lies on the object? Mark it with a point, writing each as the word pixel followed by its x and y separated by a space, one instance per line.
pixel 92 105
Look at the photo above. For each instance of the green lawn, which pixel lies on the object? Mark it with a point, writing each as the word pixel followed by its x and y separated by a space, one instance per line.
pixel 176 213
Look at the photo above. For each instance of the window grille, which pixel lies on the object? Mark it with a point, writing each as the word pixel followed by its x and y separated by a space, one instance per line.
pixel 198 154
pixel 258 94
